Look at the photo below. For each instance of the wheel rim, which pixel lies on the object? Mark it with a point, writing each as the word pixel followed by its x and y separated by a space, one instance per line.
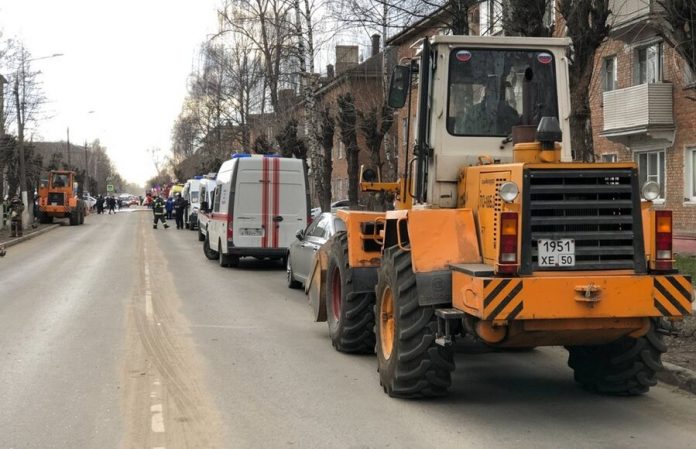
pixel 386 322
pixel 288 270
pixel 336 294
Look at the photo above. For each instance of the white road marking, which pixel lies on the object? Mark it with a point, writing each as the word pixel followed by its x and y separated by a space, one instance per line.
pixel 157 423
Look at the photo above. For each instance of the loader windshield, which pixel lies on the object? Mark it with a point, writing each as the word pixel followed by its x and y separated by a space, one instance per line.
pixel 491 90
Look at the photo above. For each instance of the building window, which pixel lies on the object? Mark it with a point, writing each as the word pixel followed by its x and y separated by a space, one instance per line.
pixel 609 73
pixel 609 157
pixel 648 66
pixel 690 164
pixel 651 167
pixel 490 17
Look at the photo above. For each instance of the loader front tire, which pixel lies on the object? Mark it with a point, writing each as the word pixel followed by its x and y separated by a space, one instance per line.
pixel 626 367
pixel 409 362
pixel 349 313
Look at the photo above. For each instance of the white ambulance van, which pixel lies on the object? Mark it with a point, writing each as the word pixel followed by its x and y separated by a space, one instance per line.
pixel 207 185
pixel 259 204
pixel 192 193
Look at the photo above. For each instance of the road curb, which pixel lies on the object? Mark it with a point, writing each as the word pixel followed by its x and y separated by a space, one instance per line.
pixel 675 375
pixel 29 236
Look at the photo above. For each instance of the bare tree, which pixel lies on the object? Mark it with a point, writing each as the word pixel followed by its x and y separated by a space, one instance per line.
pixel 678 28
pixel 327 128
pixel 267 24
pixel 528 18
pixel 587 27
pixel 347 123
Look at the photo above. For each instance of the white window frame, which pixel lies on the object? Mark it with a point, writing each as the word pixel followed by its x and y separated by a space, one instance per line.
pixel 637 75
pixel 690 174
pixel 658 177
pixel 610 157
pixel 490 17
pixel 605 74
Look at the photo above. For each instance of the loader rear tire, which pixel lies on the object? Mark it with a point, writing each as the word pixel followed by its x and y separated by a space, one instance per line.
pixel 626 367
pixel 349 313
pixel 409 362
pixel 74 218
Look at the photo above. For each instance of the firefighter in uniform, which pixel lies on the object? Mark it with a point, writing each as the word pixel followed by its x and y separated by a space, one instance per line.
pixel 158 210
pixel 16 209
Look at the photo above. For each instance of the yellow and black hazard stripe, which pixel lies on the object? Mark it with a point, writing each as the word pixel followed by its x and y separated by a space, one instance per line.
pixel 502 299
pixel 672 295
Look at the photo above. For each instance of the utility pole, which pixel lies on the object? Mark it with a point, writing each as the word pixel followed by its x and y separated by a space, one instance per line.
pixel 86 180
pixel 28 211
pixel 68 167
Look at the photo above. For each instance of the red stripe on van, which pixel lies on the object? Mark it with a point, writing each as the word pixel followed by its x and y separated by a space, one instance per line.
pixel 276 200
pixel 264 202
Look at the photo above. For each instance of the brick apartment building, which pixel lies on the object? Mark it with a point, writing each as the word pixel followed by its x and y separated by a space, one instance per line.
pixel 641 109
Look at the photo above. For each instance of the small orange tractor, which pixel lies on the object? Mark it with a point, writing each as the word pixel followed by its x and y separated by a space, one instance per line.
pixel 58 199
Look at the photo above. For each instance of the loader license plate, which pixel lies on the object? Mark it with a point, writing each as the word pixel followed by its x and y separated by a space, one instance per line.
pixel 556 253
pixel 251 232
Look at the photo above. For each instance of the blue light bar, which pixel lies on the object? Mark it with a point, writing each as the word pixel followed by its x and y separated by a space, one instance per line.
pixel 238 155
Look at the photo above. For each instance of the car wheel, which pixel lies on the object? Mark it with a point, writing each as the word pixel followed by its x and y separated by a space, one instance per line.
pixel 292 283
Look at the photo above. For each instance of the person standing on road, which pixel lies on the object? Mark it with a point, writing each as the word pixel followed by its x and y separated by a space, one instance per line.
pixel 180 205
pixel 16 209
pixel 158 210
pixel 100 205
pixel 111 203
pixel 170 207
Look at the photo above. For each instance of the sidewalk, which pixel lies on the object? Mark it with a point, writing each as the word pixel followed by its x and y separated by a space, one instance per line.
pixel 7 241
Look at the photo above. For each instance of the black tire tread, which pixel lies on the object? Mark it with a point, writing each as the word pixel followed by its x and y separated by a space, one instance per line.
pixel 625 367
pixel 355 331
pixel 418 368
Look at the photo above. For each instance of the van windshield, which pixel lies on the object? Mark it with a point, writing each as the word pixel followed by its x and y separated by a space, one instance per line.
pixel 488 90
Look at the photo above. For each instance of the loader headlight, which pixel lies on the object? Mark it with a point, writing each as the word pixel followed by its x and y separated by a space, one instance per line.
pixel 651 190
pixel 508 191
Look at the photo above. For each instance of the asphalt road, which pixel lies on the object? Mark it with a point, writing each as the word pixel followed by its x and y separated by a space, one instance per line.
pixel 115 335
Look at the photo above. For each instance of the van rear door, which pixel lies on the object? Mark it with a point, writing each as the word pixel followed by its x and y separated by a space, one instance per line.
pixel 270 202
pixel 249 204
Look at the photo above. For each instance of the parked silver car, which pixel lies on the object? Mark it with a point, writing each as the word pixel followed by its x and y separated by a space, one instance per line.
pixel 301 251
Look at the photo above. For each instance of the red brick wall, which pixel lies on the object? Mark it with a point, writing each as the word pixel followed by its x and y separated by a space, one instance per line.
pixel 684 118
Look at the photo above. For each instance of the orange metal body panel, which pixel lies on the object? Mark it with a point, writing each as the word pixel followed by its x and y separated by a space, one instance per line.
pixel 440 237
pixel 357 256
pixel 576 296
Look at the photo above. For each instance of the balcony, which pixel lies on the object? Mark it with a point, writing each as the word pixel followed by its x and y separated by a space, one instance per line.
pixel 626 14
pixel 639 115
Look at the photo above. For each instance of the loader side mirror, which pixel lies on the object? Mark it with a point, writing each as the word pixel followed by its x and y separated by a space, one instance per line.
pixel 399 85
pixel 368 175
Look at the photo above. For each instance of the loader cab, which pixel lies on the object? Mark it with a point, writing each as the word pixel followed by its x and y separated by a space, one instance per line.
pixel 474 95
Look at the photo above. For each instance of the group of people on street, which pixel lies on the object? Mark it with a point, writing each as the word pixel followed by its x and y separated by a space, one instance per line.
pixel 109 202
pixel 176 206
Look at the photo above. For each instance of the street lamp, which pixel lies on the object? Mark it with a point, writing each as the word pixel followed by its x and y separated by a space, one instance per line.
pixel 28 211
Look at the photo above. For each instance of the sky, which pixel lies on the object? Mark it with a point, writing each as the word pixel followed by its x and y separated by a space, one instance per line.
pixel 123 74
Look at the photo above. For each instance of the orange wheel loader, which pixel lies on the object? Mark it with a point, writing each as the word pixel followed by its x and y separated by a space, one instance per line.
pixel 498 235
pixel 58 199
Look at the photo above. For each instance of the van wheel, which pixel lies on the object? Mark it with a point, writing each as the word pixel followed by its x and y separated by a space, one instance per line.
pixel 410 363
pixel 350 314
pixel 201 236
pixel 624 367
pixel 208 251
pixel 292 283
pixel 225 260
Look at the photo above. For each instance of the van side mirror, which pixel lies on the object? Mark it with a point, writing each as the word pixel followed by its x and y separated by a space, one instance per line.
pixel 204 206
pixel 399 86
pixel 300 235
